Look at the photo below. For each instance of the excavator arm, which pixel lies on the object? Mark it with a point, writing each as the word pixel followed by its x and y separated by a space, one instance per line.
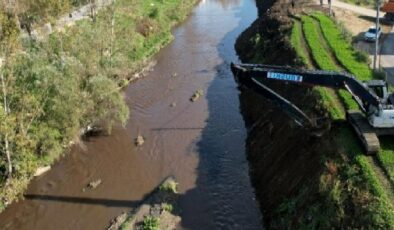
pixel 253 77
pixel 250 74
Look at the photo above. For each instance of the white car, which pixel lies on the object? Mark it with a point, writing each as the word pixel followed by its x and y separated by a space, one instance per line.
pixel 370 35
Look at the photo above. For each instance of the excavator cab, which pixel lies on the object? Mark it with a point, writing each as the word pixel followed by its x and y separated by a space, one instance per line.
pixel 379 88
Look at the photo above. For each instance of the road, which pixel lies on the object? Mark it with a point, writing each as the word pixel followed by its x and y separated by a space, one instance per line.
pixel 387 56
pixel 356 9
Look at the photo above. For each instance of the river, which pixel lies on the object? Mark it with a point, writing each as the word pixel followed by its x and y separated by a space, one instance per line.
pixel 201 143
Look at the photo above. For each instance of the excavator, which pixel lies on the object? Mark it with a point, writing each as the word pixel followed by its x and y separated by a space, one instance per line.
pixel 375 117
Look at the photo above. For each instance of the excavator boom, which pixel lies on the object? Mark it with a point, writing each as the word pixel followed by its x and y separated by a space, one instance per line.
pixel 330 79
pixel 253 77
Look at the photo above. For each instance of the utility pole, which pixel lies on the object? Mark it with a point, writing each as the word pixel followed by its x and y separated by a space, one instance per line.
pixel 329 7
pixel 375 57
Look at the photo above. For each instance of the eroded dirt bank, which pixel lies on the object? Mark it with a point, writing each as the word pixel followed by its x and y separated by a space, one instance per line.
pixel 300 180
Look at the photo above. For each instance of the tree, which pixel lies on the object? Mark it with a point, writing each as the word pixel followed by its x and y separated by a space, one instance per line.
pixel 9 36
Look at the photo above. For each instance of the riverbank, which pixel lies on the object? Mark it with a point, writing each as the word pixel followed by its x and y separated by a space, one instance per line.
pixel 160 210
pixel 200 143
pixel 90 60
pixel 303 181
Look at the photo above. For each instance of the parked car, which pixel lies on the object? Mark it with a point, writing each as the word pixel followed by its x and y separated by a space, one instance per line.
pixel 370 35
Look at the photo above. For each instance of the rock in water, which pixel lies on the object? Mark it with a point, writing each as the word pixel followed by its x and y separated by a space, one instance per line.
pixel 197 95
pixel 42 170
pixel 94 184
pixel 139 141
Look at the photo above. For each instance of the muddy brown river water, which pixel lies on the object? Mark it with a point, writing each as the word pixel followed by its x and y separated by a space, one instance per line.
pixel 201 143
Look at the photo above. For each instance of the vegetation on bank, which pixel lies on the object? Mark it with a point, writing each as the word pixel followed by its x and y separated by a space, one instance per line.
pixel 51 89
pixel 349 186
pixel 319 53
pixel 386 159
pixel 357 64
pixel 328 100
pixel 298 44
pixel 353 61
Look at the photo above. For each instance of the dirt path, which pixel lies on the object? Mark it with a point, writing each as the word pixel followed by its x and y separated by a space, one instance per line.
pixel 356 9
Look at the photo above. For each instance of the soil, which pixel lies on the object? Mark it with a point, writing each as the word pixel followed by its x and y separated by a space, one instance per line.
pixel 287 163
pixel 284 158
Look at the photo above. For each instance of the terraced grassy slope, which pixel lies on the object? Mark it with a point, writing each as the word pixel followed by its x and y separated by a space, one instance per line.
pixel 358 171
pixel 349 58
pixel 329 98
pixel 319 53
pixel 386 159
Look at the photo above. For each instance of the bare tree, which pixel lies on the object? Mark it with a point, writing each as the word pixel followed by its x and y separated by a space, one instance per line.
pixel 7 149
pixel 112 39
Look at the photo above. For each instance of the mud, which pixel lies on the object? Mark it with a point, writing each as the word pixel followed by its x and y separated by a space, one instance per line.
pixel 200 143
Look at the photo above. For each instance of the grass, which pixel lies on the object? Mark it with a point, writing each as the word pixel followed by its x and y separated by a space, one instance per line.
pixel 348 57
pixel 386 159
pixel 169 186
pixel 150 223
pixel 313 38
pixel 381 208
pixel 342 49
pixel 358 176
pixel 323 60
pixel 297 43
pixel 168 207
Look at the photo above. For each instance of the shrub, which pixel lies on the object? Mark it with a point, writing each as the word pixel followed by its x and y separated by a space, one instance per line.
pixel 150 223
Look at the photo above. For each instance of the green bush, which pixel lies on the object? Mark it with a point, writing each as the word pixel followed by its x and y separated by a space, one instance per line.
pixel 150 223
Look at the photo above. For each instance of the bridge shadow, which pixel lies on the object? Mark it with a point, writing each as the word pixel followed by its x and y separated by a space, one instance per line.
pixel 84 200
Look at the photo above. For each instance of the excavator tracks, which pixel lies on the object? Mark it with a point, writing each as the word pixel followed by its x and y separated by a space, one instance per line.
pixel 365 132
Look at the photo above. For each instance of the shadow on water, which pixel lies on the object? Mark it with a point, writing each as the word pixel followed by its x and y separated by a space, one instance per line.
pixel 223 190
pixel 84 200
